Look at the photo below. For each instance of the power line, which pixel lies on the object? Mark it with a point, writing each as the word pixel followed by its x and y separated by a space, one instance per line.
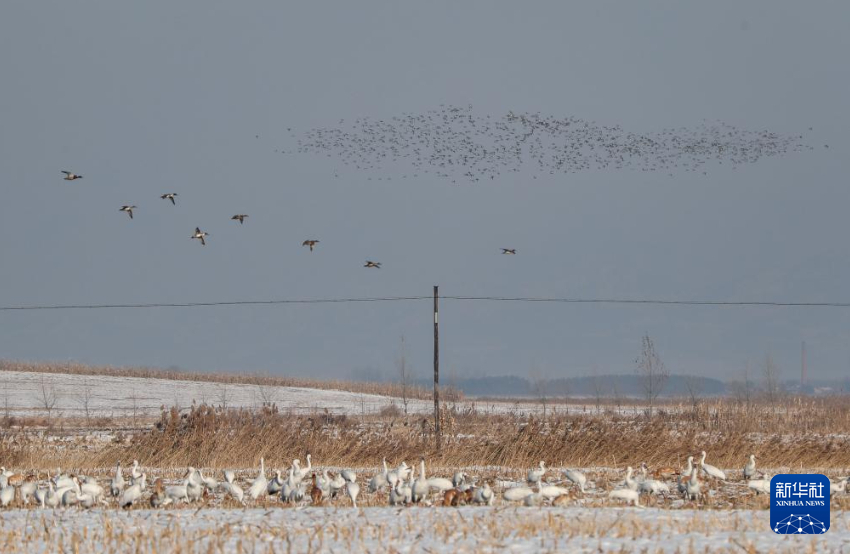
pixel 652 301
pixel 205 304
pixel 622 301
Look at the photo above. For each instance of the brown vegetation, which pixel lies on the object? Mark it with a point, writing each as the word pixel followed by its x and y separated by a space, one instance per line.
pixel 799 433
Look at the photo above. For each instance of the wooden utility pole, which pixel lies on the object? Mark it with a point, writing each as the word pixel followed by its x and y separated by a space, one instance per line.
pixel 437 366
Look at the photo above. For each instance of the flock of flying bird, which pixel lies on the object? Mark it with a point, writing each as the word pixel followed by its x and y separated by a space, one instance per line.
pixel 402 486
pixel 202 235
pixel 456 143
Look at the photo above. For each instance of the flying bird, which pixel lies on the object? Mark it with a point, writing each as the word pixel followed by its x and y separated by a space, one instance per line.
pixel 240 218
pixel 376 265
pixel 71 176
pixel 311 243
pixel 509 251
pixel 200 236
pixel 128 209
pixel 170 196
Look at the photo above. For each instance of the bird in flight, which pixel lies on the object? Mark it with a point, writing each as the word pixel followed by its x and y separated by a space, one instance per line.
pixel 376 265
pixel 311 243
pixel 240 218
pixel 71 176
pixel 508 250
pixel 128 209
pixel 170 196
pixel 200 235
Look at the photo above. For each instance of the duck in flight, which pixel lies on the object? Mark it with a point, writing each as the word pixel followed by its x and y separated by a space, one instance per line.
pixel 311 243
pixel 71 176
pixel 511 251
pixel 128 209
pixel 200 236
pixel 170 196
pixel 240 218
pixel 376 265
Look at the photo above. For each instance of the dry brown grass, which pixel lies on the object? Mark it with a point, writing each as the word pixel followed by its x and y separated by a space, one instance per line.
pixel 382 389
pixel 802 433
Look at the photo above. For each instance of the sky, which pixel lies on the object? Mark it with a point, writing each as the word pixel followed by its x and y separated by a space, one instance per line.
pixel 195 97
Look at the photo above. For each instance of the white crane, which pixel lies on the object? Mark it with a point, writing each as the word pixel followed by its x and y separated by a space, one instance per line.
pixel 576 477
pixel 130 496
pixel 420 486
pixel 625 494
pixel 232 488
pixel 352 489
pixel 630 483
pixel 750 468
pixel 483 495
pixel 260 483
pixel 517 493
pixel 535 475
pixel 692 486
pixel 276 484
pixel 710 469
pixel 379 481
pixel 760 486
pixel 118 483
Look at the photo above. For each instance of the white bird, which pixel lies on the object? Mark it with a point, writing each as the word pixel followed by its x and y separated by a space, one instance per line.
pixel 652 486
pixel 399 474
pixel 130 496
pixel 128 209
pixel 379 481
pixel 177 492
pixel 535 475
pixel 349 475
pixel 440 484
pixel 692 487
pixel 51 499
pixel 118 483
pixel 7 495
pixel 397 494
pixel 67 482
pixel 517 493
pixel 69 498
pixel 760 486
pixel 576 477
pixel 232 488
pixel 260 483
pixel 459 478
pixel 483 495
pixel 711 470
pixel 533 499
pixel 93 489
pixel 28 488
pixel 134 471
pixel 336 484
pixel 625 494
pixel 200 235
pixel 209 482
pixel 750 468
pixel 551 492
pixel 141 480
pixel 352 489
pixel 420 486
pixel 630 483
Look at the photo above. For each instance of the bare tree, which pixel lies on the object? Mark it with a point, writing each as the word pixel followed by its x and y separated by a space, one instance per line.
pixel 267 394
pixel 134 399
pixel 694 386
pixel 223 395
pixel 743 390
pixel 770 374
pixel 539 387
pixel 652 371
pixel 47 397
pixel 596 383
pixel 404 376
pixel 84 399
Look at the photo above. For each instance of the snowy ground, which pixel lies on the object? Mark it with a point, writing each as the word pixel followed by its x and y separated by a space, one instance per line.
pixel 466 529
pixel 21 394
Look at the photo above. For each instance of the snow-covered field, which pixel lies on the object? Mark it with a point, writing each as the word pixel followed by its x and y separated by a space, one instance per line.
pixel 22 393
pixel 466 529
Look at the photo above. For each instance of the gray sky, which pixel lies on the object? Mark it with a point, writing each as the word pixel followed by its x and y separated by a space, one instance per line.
pixel 154 97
